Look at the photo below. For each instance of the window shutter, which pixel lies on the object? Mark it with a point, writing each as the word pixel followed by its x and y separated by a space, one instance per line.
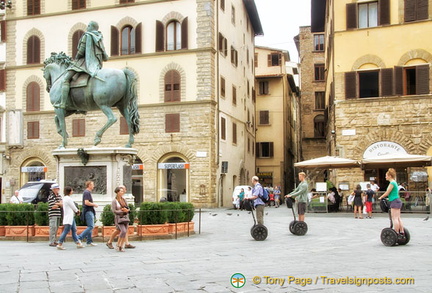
pixel 114 41
pixel 422 80
pixel 33 129
pixel 33 50
pixel 269 60
pixel 184 32
pixel 398 80
pixel 172 122
pixel 264 117
pixel 138 38
pixel 124 129
pixel 271 149
pixel 386 82
pixel 223 128
pixel 257 149
pixel 3 30
pixel 350 85
pixel 234 138
pixel 409 10
pixel 422 9
pixel 351 15
pixel 159 36
pixel 76 37
pixel 78 127
pixel 33 97
pixel 384 7
pixel 2 80
pixel 176 85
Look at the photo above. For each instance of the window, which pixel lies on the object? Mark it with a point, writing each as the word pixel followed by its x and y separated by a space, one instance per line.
pixel 248 146
pixel 233 15
pixel 223 128
pixel 3 30
pixel 222 87
pixel 2 80
pixel 78 127
pixel 173 36
pixel 33 130
pixel 222 4
pixel 368 84
pixel 128 40
pixel 319 72
pixel 367 14
pixel 78 4
pixel 412 80
pixel 234 56
pixel 264 87
pixel 172 86
pixel 264 117
pixel 126 1
pixel 416 10
pixel 319 126
pixel 264 149
pixel 234 133
pixel 33 97
pixel 172 123
pixel 319 100
pixel 256 60
pixel 234 95
pixel 124 128
pixel 274 59
pixel 76 37
pixel 223 46
pixel 319 42
pixel 33 7
pixel 33 50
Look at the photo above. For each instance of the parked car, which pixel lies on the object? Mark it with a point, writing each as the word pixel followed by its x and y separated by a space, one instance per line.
pixel 36 191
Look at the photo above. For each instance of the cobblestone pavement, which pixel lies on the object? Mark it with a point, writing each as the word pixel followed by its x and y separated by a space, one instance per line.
pixel 337 250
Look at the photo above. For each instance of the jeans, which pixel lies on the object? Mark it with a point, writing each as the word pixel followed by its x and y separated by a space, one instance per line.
pixel 87 233
pixel 54 223
pixel 66 230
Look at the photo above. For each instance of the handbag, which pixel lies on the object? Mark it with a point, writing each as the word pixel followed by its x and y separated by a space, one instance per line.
pixel 123 220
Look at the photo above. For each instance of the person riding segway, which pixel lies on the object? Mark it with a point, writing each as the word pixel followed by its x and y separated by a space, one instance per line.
pixel 258 231
pixel 301 192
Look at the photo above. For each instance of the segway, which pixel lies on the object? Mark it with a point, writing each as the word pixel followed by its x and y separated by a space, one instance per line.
pixel 258 231
pixel 389 237
pixel 298 228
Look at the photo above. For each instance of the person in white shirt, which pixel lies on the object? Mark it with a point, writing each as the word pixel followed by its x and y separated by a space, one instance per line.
pixel 16 198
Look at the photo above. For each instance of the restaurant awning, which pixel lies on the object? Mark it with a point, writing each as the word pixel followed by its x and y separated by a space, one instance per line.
pixel 327 162
pixel 396 160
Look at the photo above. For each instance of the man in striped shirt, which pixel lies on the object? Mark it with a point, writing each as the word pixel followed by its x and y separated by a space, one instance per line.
pixel 55 204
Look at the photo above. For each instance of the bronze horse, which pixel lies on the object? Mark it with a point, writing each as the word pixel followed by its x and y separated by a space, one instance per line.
pixel 110 88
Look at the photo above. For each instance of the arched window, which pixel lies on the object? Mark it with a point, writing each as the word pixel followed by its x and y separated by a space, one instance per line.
pixel 128 40
pixel 172 86
pixel 33 97
pixel 76 37
pixel 319 126
pixel 173 36
pixel 33 50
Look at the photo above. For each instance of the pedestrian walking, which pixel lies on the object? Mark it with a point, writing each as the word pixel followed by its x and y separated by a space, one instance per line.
pixel 55 205
pixel 89 214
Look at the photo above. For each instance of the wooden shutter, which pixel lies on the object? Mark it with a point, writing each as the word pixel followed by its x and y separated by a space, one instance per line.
pixel 410 10
pixel 33 50
pixel 398 80
pixel 33 130
pixel 2 80
pixel 159 36
pixel 172 122
pixel 124 128
pixel 351 15
pixel 76 37
pixel 422 79
pixel 33 7
pixel 264 117
pixel 234 133
pixel 271 152
pixel 184 32
pixel 114 41
pixel 138 38
pixel 384 12
pixel 223 128
pixel 422 9
pixel 78 127
pixel 172 86
pixel 350 85
pixel 269 60
pixel 3 30
pixel 386 82
pixel 78 4
pixel 33 97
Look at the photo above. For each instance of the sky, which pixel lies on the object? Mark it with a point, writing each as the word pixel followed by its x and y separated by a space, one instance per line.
pixel 280 20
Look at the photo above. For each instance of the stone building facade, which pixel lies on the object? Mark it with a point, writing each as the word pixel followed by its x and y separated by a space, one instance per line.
pixel 378 83
pixel 206 45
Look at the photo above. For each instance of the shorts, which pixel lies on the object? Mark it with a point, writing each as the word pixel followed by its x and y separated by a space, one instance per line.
pixel 396 204
pixel 368 206
pixel 301 207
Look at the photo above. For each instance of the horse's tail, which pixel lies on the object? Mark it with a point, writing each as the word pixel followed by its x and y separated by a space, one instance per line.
pixel 131 98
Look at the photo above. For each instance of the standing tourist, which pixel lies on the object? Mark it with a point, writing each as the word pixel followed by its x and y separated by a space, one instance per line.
pixel 369 200
pixel 120 208
pixel 55 205
pixel 395 202
pixel 69 212
pixel 358 202
pixel 277 194
pixel 89 213
pixel 302 193
pixel 257 193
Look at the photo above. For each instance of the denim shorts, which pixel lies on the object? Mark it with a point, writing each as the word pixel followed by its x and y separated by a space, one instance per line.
pixel 301 206
pixel 396 204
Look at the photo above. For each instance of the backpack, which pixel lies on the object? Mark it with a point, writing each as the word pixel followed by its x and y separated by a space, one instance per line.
pixel 265 196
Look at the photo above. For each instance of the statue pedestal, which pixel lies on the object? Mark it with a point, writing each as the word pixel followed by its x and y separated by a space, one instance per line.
pixel 106 167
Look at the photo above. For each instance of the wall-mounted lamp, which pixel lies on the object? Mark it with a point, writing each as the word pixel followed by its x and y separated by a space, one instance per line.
pixel 4 4
pixel 333 132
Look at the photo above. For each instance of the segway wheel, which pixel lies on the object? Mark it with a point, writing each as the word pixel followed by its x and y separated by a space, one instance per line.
pixel 405 240
pixel 389 237
pixel 259 232
pixel 291 226
pixel 300 228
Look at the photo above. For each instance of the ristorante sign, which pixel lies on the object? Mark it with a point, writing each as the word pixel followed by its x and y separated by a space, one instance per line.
pixel 383 148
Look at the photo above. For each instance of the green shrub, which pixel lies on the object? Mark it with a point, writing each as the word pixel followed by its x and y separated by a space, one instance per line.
pixel 3 209
pixel 174 212
pixel 132 213
pixel 107 216
pixel 20 214
pixel 188 210
pixel 152 213
pixel 41 214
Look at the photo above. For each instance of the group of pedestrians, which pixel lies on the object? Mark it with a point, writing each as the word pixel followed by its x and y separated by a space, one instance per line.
pixel 67 209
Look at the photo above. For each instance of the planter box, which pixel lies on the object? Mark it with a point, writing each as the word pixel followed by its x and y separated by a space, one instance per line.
pixel 109 230
pixel 181 227
pixel 44 231
pixel 2 230
pixel 153 230
pixel 80 229
pixel 21 231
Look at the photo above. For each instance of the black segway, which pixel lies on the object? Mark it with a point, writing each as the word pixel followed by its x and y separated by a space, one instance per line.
pixel 389 237
pixel 259 232
pixel 298 228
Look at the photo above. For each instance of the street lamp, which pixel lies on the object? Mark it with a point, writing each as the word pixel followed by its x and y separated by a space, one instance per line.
pixel 4 4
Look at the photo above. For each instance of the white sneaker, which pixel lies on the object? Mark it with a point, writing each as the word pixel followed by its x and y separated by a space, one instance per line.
pixel 80 245
pixel 60 247
pixel 92 244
